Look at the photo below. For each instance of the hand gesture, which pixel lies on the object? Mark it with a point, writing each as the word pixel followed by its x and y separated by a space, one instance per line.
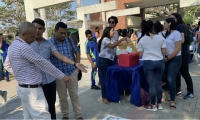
pixel 67 79
pixel 81 67
pixel 93 65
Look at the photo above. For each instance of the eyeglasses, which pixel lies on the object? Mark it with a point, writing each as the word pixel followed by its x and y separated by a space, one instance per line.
pixel 111 22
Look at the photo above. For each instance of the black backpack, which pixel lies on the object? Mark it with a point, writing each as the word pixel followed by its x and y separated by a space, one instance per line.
pixel 188 34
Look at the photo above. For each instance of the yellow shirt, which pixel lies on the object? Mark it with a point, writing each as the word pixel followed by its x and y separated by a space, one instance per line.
pixel 123 46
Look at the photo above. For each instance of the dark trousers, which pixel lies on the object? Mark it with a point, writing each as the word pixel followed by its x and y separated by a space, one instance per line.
pixel 94 72
pixel 153 71
pixel 172 68
pixel 104 63
pixel 184 71
pixel 50 95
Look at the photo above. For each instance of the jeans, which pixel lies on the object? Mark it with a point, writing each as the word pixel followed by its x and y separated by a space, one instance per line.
pixel 172 68
pixel 50 95
pixel 1 70
pixel 104 63
pixel 184 71
pixel 153 71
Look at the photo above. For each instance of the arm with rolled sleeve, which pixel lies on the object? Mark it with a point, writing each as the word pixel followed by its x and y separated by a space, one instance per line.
pixel 28 53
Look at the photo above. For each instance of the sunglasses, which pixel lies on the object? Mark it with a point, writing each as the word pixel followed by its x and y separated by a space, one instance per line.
pixel 111 22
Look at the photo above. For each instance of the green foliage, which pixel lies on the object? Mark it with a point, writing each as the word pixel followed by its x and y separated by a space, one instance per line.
pixel 12 14
pixel 51 30
pixel 59 13
pixel 189 15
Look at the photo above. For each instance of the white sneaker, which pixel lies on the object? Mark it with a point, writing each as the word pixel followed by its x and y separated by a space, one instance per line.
pixel 160 107
pixel 150 107
pixel 4 95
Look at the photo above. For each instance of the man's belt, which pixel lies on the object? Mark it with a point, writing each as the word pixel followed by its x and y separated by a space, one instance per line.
pixel 31 86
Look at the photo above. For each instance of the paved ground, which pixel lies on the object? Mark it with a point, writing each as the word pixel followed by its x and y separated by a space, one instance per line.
pixel 93 108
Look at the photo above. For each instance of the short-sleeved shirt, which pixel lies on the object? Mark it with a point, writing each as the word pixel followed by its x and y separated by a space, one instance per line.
pixel 185 46
pixel 44 49
pixel 151 47
pixel 92 49
pixel 170 42
pixel 115 37
pixel 65 49
pixel 106 52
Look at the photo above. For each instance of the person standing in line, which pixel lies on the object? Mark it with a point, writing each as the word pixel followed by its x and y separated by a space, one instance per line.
pixel 112 23
pixel 185 53
pixel 97 34
pixel 173 57
pixel 45 48
pixel 23 62
pixel 69 49
pixel 151 48
pixel 107 52
pixel 4 44
pixel 93 57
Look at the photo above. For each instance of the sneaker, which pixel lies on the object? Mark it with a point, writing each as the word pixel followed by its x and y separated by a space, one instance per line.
pixel 4 95
pixel 188 95
pixel 150 107
pixel 178 93
pixel 94 87
pixel 160 107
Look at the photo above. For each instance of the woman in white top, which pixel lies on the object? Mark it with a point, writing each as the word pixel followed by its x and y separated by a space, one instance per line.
pixel 106 49
pixel 173 57
pixel 151 48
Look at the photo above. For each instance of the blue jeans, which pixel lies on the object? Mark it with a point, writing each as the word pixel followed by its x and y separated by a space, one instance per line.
pixel 1 69
pixel 4 70
pixel 104 63
pixel 172 69
pixel 153 71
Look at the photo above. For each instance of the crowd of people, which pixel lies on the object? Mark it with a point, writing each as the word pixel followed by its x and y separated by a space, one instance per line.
pixel 43 67
pixel 163 48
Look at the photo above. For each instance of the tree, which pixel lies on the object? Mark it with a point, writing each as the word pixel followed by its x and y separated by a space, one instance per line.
pixel 12 13
pixel 162 11
pixel 59 13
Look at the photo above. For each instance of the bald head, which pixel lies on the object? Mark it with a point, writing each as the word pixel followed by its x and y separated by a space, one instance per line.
pixel 27 32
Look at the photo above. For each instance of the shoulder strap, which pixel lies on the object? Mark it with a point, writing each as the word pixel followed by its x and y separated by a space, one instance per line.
pixel 73 51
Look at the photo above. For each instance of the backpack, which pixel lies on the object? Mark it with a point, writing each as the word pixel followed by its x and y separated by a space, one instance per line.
pixel 188 34
pixel 144 97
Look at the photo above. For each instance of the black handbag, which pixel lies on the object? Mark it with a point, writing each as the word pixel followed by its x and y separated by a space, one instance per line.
pixel 73 54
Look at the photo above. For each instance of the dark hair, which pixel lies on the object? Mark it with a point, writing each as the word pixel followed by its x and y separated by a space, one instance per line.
pixel 131 31
pixel 125 32
pixel 88 32
pixel 106 33
pixel 96 28
pixel 199 23
pixel 179 18
pixel 147 27
pixel 172 26
pixel 119 32
pixel 1 34
pixel 158 27
pixel 39 21
pixel 60 25
pixel 114 18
